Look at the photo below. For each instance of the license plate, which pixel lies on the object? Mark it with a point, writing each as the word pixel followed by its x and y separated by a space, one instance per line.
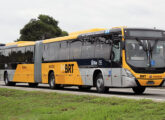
pixel 150 82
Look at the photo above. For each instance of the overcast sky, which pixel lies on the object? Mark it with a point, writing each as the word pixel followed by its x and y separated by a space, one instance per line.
pixel 75 15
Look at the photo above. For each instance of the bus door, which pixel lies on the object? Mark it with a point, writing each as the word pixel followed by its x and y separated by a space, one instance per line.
pixel 116 65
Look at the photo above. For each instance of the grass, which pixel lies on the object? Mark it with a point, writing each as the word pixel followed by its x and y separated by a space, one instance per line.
pixel 24 105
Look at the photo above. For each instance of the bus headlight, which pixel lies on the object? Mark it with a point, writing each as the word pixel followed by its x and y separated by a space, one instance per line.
pixel 128 73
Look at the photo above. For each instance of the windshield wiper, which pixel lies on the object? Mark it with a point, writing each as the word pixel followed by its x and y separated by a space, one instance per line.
pixel 148 48
pixel 151 48
pixel 142 44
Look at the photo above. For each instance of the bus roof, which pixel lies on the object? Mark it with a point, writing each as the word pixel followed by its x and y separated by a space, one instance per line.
pixel 71 36
pixel 87 31
pixel 21 43
pixel 60 38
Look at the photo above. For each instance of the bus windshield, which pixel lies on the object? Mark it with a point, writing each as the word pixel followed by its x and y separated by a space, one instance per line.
pixel 145 53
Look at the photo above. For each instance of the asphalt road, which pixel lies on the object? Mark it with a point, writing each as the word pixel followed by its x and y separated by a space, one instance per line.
pixel 155 94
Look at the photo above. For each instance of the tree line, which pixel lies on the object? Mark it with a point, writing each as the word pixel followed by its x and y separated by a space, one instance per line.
pixel 44 27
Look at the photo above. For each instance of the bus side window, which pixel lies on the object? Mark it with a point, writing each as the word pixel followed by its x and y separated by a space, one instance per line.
pixel 7 55
pixel 14 56
pixel 88 49
pixel 29 54
pixel 54 51
pixel 51 51
pixel 64 51
pixel 1 60
pixel 1 56
pixel 116 59
pixel 102 49
pixel 75 49
pixel 21 54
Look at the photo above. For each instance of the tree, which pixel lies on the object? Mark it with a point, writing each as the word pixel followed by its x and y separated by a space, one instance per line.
pixel 44 27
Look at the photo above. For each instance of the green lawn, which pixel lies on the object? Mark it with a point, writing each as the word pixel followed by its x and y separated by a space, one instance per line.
pixel 23 105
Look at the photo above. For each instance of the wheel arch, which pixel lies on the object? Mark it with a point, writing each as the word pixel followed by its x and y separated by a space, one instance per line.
pixel 95 73
pixel 50 71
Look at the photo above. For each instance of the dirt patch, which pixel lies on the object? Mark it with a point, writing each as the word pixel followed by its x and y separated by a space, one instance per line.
pixel 67 109
pixel 6 93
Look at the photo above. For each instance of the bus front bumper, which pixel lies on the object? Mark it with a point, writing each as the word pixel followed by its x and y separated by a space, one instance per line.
pixel 151 83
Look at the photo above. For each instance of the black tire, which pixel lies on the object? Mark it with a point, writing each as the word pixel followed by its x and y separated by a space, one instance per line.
pixel 99 82
pixel 106 89
pixel 138 90
pixel 33 85
pixel 7 82
pixel 52 82
pixel 83 88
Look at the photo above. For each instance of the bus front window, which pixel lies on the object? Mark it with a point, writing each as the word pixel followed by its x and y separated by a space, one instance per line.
pixel 158 55
pixel 139 56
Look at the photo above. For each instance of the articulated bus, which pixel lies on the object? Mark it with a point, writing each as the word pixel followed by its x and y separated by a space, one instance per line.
pixel 102 58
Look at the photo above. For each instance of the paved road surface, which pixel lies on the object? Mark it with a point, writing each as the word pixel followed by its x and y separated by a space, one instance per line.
pixel 155 94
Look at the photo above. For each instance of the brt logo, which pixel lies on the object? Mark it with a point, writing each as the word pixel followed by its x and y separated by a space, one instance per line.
pixel 142 76
pixel 69 68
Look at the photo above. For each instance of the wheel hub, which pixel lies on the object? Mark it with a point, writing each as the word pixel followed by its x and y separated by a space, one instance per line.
pixel 6 81
pixel 52 81
pixel 99 82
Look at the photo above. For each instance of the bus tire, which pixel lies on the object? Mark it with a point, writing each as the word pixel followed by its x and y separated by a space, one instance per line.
pixel 33 85
pixel 7 82
pixel 138 90
pixel 52 82
pixel 100 84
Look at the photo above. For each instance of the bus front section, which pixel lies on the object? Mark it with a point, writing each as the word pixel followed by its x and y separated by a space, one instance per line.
pixel 144 57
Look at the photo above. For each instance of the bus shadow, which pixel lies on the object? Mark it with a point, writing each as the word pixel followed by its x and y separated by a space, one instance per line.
pixel 93 91
pixel 75 89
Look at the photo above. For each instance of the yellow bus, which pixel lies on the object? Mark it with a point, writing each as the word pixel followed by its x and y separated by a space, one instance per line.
pixel 103 58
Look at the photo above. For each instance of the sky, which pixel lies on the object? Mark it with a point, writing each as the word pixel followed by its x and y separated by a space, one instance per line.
pixel 76 15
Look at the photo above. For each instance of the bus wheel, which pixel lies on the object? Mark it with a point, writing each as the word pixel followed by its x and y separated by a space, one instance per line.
pixel 84 87
pixel 52 80
pixel 33 85
pixel 138 90
pixel 7 82
pixel 100 83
